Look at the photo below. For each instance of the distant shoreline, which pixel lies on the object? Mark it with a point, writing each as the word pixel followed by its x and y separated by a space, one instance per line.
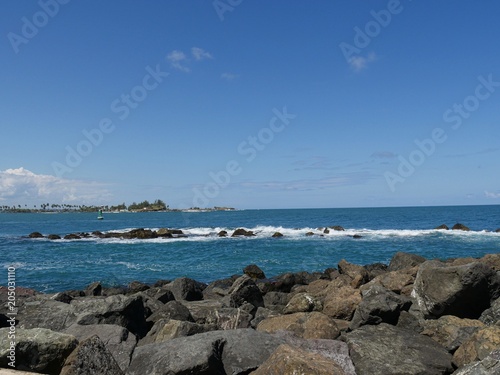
pixel 96 209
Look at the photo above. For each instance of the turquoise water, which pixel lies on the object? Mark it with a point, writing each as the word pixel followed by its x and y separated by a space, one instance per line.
pixel 60 265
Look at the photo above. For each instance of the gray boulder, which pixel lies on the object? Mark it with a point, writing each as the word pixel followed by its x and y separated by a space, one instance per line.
pixel 43 312
pixel 118 340
pixel 254 271
pixel 244 290
pixel 128 312
pixel 387 350
pixel 402 260
pixel 38 349
pixel 464 291
pixel 172 310
pixel 220 352
pixel 379 305
pixel 492 315
pixel 187 289
pixel 488 366
pixel 91 357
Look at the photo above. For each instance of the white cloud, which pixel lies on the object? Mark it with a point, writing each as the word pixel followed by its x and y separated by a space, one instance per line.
pixel 21 186
pixel 359 63
pixel 200 54
pixel 176 58
pixel 228 76
pixel 491 195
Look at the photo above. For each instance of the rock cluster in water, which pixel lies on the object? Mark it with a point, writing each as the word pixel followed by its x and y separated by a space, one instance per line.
pixel 415 316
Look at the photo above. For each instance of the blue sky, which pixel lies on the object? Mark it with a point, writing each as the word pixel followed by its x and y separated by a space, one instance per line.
pixel 250 104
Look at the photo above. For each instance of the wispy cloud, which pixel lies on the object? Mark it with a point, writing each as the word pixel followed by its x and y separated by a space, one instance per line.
pixel 491 195
pixel 21 185
pixel 177 60
pixel 229 76
pixel 359 63
pixel 200 54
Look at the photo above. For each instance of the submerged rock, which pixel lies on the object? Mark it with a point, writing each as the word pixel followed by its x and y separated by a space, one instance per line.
pixel 442 227
pixel 242 232
pixel 35 235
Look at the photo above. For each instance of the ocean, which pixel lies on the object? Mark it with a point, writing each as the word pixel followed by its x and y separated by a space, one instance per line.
pixel 51 266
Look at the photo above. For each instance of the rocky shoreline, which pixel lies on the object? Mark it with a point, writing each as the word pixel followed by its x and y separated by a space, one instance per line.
pixel 414 316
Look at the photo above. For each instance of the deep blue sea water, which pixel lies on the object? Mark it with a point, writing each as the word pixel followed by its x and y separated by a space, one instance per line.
pixel 51 266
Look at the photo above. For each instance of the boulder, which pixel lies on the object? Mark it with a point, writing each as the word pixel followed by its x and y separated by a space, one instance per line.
pixel 72 236
pixel 337 228
pixel 43 312
pixel 395 281
pixel 492 315
pixel 254 272
pixel 91 357
pixel 357 236
pixel 35 235
pixel 172 310
pixel 38 349
pixel 314 325
pixel 310 234
pixel 244 290
pixel 326 231
pixel 386 350
pixel 342 303
pixel 375 269
pixel 218 288
pixel 54 237
pixel 117 340
pixel 160 294
pixel 303 302
pixel 276 300
pixel 288 360
pixel 242 232
pixel 450 331
pixel 478 346
pixel 492 260
pixel 358 273
pixel 488 366
pixel 442 227
pixel 203 310
pixel 277 235
pixel 141 233
pixel 137 286
pixel 459 226
pixel 230 318
pixel 464 291
pixel 94 289
pixel 261 314
pixel 164 232
pixel 379 305
pixel 212 353
pixel 402 260
pixel 128 312
pixel 62 297
pixel 187 289
pixel 222 233
pixel 164 330
pixel 333 349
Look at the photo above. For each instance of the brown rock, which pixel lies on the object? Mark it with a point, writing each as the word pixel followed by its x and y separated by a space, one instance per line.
pixel 254 271
pixel 303 302
pixel 459 226
pixel 288 360
pixel 342 303
pixel 478 346
pixel 314 325
pixel 358 273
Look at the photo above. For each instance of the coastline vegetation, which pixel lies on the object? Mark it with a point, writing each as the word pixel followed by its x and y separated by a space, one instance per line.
pixel 144 206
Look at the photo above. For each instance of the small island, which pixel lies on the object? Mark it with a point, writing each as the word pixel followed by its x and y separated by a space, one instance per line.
pixel 145 206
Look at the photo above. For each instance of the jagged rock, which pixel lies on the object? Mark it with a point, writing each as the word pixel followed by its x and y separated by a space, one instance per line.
pixel 402 260
pixel 358 273
pixel 201 310
pixel 375 269
pixel 38 349
pixel 218 288
pixel 164 232
pixel 187 289
pixel 411 321
pixel 137 286
pixel 326 231
pixel 288 360
pixel 261 314
pixel 128 312
pixel 379 305
pixel 492 315
pixel 303 302
pixel 254 272
pixel 244 290
pixel 478 346
pixel 314 325
pixel 276 300
pixel 160 294
pixel 242 232
pixel 492 260
pixel 172 310
pixel 222 233
pixel 277 235
pixel 230 318
pixel 488 366
pixel 459 226
pixel 337 228
pixel 464 291
pixel 35 235
pixel 450 331
pixel 54 237
pixel 395 281
pixel 342 303
pixel 118 340
pixel 91 357
pixel 386 350
pixel 442 227
pixel 72 236
pixel 165 330
pixel 62 297
pixel 94 289
pixel 211 353
pixel 43 312
pixel 98 233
